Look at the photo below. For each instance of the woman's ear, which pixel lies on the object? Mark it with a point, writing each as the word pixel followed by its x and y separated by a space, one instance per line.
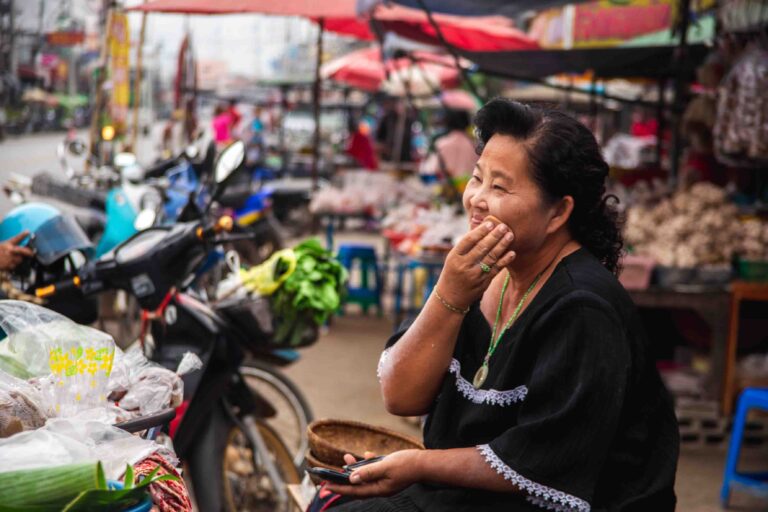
pixel 561 212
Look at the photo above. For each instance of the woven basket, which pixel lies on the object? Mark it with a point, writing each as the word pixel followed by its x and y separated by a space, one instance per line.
pixel 330 439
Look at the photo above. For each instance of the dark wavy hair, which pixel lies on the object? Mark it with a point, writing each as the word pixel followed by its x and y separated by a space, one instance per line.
pixel 565 161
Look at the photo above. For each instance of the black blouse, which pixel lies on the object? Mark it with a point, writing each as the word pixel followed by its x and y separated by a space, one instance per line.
pixel 573 410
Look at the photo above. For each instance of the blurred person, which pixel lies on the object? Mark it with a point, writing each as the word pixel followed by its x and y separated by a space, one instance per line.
pixel 255 137
pixel 222 126
pixel 453 153
pixel 359 144
pixel 395 130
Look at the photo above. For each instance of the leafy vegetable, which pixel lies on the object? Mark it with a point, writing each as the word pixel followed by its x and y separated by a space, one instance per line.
pixel 310 295
pixel 71 488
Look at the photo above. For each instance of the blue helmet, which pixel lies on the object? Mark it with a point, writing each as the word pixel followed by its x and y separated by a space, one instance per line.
pixel 52 234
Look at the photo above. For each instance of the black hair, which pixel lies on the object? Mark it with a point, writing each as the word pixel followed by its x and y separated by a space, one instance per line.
pixel 565 160
pixel 456 120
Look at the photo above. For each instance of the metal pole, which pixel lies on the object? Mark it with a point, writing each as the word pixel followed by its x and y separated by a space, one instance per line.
pixel 137 85
pixel 99 99
pixel 660 121
pixel 452 51
pixel 316 96
pixel 677 136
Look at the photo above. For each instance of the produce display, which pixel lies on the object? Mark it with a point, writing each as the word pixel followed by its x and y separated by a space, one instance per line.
pixel 419 227
pixel 695 227
pixel 370 193
pixel 304 285
pixel 75 487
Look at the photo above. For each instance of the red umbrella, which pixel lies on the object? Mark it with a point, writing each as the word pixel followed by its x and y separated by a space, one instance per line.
pixel 365 70
pixel 484 33
pixel 308 8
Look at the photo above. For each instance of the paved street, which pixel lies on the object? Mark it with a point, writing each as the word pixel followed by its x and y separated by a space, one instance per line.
pixel 30 154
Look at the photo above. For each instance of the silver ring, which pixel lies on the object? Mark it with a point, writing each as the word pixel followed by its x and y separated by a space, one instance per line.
pixel 485 268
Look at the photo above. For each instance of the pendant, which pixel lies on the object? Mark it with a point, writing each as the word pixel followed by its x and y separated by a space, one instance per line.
pixel 480 376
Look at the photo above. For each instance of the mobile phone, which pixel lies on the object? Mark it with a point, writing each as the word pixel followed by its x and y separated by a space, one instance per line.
pixel 361 463
pixel 330 475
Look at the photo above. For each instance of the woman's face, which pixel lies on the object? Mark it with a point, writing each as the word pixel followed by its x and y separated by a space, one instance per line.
pixel 502 186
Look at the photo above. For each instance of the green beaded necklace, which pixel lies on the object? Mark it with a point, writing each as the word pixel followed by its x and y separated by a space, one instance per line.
pixel 482 372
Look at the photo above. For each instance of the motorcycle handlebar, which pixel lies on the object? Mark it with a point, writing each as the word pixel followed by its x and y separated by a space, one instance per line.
pixel 61 286
pixel 209 234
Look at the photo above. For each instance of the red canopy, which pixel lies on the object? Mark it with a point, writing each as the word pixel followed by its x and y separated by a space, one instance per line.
pixel 365 70
pixel 308 8
pixel 485 33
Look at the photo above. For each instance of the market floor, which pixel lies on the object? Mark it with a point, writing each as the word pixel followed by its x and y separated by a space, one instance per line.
pixel 338 376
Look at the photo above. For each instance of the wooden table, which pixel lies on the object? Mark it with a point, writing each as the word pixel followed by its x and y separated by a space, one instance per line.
pixel 713 305
pixel 742 291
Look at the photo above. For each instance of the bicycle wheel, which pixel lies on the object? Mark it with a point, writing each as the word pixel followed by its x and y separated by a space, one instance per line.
pixel 293 412
pixel 247 487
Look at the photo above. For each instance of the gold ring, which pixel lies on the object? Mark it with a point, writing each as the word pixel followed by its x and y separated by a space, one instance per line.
pixel 485 268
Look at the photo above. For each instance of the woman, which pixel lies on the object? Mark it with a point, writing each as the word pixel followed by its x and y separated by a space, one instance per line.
pixel 529 357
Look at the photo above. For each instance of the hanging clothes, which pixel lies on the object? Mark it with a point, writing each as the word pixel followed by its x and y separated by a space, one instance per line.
pixel 741 130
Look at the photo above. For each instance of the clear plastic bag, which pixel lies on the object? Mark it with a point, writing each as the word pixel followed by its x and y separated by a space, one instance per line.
pixel 68 441
pixel 145 387
pixel 21 406
pixel 75 360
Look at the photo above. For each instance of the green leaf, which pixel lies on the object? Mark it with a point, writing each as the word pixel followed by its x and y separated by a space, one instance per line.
pixel 128 480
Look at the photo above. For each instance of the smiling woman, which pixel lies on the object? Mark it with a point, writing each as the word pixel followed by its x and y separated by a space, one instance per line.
pixel 530 360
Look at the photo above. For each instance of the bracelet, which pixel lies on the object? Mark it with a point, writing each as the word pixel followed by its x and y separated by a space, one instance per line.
pixel 450 307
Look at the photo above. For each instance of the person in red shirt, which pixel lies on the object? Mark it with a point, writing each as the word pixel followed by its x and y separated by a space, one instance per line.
pixel 359 145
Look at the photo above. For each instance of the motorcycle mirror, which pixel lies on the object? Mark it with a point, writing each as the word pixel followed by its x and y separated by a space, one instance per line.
pixel 191 152
pixel 76 147
pixel 145 219
pixel 124 160
pixel 229 161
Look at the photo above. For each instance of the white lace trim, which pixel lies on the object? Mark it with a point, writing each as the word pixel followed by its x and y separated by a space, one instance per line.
pixel 487 396
pixel 539 495
pixel 382 360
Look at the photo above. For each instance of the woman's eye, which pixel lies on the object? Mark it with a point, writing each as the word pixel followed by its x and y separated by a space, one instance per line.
pixel 476 178
pixel 500 188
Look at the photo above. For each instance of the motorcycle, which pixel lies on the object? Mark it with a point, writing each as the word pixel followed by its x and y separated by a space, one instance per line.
pixel 234 459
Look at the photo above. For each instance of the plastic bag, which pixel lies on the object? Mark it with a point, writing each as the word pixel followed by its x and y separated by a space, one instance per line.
pixel 77 358
pixel 268 276
pixel 20 406
pixel 69 441
pixel 143 386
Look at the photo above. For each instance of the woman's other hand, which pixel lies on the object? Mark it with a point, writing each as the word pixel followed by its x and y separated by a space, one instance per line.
pixel 389 476
pixel 474 262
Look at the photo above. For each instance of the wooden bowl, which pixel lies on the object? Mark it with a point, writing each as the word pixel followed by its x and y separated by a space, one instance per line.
pixel 330 439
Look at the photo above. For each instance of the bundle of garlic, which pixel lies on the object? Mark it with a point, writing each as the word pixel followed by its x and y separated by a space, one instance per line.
pixel 754 244
pixel 692 228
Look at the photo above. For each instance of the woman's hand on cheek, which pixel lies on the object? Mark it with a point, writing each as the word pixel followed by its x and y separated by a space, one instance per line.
pixel 390 476
pixel 462 280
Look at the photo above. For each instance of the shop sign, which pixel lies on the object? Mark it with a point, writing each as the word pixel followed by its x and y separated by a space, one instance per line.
pixel 64 38
pixel 119 51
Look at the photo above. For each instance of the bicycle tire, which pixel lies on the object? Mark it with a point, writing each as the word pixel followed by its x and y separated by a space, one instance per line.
pixel 273 385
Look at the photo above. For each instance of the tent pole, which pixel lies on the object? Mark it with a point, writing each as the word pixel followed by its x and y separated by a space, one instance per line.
pixel 452 51
pixel 316 106
pixel 137 85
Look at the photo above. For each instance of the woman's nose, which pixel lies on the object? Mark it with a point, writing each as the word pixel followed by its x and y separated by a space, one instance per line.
pixel 477 199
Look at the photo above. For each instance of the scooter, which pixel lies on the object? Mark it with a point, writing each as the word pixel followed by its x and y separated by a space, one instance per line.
pixel 222 435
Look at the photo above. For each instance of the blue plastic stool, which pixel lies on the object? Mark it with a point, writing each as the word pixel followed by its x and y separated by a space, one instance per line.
pixel 367 293
pixel 432 269
pixel 756 483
